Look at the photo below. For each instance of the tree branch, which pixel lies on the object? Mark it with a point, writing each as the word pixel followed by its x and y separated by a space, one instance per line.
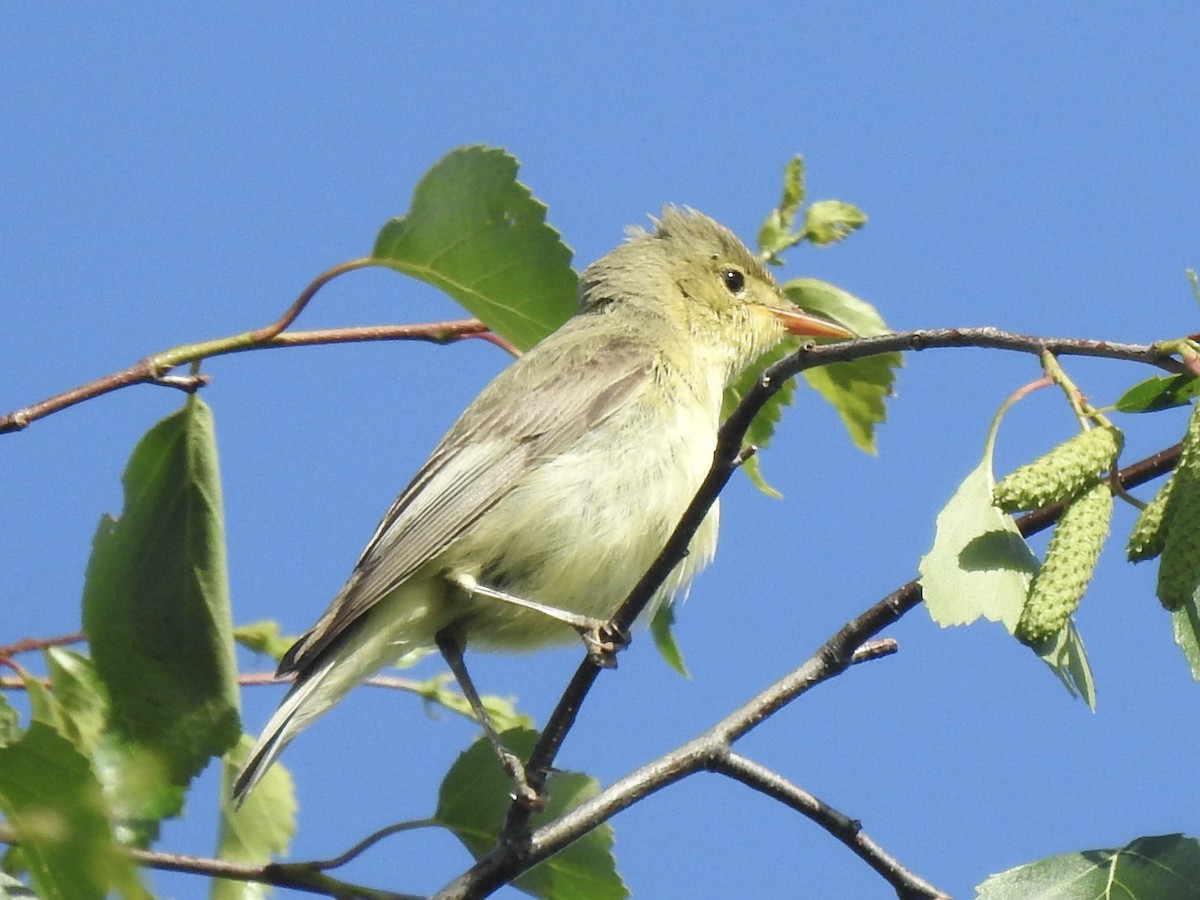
pixel 371 840
pixel 518 850
pixel 849 831
pixel 982 337
pixel 25 645
pixel 727 457
pixel 154 369
pixel 300 876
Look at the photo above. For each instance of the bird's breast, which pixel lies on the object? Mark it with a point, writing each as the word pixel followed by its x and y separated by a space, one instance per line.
pixel 580 529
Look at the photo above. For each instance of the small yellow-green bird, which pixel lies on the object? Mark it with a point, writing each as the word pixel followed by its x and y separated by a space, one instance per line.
pixel 559 485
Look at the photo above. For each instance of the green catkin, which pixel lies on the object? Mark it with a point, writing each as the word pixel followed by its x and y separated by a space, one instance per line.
pixel 1067 471
pixel 1149 531
pixel 1059 583
pixel 1179 568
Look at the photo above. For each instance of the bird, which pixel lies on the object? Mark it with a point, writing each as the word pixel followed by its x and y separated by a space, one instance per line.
pixel 557 487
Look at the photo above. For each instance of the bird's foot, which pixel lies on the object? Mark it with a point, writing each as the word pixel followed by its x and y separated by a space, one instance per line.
pixel 604 642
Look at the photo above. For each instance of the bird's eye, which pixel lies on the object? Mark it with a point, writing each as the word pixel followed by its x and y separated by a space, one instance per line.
pixel 734 281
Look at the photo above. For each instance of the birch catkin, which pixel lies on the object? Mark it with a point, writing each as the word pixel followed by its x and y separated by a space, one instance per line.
pixel 1071 557
pixel 1062 473
pixel 1179 568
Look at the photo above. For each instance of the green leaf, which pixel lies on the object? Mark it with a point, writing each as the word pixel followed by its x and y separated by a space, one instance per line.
pixel 80 696
pixel 1148 867
pixel 857 389
pixel 664 638
pixel 139 790
pixel 140 786
pixel 1185 622
pixel 475 232
pixel 42 705
pixel 474 798
pixel 264 637
pixel 1158 392
pixel 793 188
pixel 10 726
pixel 52 799
pixel 824 299
pixel 500 710
pixel 776 234
pixel 156 604
pixel 763 427
pixel 260 830
pixel 828 221
pixel 753 470
pixel 979 564
pixel 1065 656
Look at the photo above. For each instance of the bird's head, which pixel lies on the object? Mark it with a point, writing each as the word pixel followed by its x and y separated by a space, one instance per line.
pixel 696 273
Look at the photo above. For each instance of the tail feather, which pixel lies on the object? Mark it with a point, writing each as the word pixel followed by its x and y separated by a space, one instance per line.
pixel 401 623
pixel 295 712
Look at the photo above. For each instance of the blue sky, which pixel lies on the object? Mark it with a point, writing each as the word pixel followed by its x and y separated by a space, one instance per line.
pixel 177 174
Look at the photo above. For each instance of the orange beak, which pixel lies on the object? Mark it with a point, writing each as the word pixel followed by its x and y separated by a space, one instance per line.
pixel 802 324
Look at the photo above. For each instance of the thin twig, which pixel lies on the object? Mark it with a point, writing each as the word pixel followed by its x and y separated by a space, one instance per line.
pixel 371 840
pixel 300 876
pixel 263 335
pixel 25 645
pixel 983 337
pixel 434 332
pixel 849 831
pixel 153 369
pixel 515 854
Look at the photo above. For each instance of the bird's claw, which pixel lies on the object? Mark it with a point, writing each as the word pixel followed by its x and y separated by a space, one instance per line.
pixel 604 642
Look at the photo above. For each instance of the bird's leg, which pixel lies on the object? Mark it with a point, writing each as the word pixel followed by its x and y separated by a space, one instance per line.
pixel 450 646
pixel 602 641
pixel 473 588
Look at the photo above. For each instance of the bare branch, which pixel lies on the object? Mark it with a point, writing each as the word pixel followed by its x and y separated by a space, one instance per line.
pixel 154 369
pixel 25 645
pixel 848 831
pixel 434 332
pixel 983 337
pixel 301 876
pixel 262 335
pixel 371 840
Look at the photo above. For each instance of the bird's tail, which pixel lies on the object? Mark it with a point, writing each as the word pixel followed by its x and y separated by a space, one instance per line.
pixel 310 696
pixel 399 625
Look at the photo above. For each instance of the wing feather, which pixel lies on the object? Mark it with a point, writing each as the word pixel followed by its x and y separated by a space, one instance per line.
pixel 530 412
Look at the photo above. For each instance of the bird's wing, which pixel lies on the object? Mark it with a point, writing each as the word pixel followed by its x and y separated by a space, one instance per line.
pixel 527 415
